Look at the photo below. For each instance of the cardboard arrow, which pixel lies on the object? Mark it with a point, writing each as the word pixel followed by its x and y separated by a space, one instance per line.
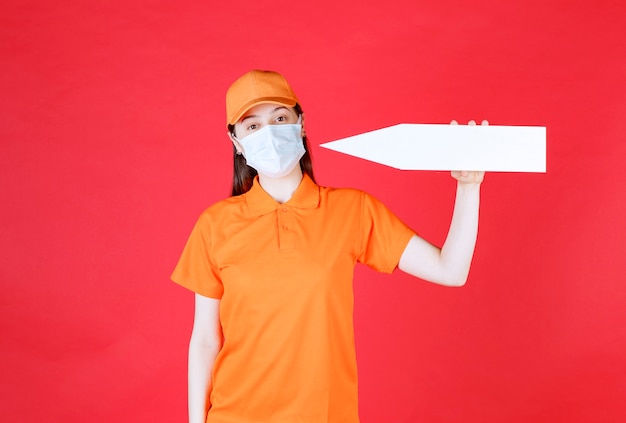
pixel 450 147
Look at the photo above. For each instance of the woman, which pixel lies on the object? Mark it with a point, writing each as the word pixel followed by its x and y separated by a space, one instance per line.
pixel 272 270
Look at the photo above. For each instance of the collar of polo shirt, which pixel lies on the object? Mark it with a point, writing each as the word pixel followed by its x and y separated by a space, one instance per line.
pixel 307 196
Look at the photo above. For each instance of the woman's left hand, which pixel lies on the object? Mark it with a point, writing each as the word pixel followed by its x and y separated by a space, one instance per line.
pixel 467 176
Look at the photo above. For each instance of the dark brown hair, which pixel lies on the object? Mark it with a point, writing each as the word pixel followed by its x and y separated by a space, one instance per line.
pixel 243 175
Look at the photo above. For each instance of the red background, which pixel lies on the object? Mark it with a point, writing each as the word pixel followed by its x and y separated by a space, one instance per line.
pixel 113 141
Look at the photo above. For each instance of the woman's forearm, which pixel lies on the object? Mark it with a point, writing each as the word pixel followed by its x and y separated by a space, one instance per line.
pixel 201 358
pixel 450 264
pixel 205 343
pixel 458 249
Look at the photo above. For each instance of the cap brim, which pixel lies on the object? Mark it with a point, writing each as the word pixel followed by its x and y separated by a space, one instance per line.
pixel 288 102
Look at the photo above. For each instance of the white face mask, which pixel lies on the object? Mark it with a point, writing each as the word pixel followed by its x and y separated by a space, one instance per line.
pixel 274 150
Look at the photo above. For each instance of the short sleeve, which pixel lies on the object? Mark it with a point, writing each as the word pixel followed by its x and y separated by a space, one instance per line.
pixel 383 236
pixel 195 269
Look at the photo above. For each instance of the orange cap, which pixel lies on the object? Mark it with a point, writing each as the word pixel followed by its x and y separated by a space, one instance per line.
pixel 257 87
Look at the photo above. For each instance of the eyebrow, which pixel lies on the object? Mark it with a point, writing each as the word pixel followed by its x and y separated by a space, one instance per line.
pixel 256 116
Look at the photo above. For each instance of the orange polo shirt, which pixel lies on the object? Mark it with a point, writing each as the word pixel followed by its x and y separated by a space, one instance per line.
pixel 284 275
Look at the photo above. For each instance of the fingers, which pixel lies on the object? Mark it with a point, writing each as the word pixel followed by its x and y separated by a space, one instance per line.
pixel 468 177
pixel 472 122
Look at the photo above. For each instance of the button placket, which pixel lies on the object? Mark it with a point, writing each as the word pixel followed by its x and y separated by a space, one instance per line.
pixel 286 235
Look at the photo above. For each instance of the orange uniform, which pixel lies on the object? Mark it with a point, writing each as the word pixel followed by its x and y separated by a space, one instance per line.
pixel 284 275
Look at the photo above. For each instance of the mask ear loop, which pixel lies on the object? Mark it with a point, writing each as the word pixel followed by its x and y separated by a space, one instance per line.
pixel 234 140
pixel 299 122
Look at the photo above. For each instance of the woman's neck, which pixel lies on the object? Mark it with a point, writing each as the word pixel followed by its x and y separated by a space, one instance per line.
pixel 282 189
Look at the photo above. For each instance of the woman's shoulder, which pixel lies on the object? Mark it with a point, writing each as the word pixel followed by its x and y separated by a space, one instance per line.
pixel 348 195
pixel 223 208
pixel 342 193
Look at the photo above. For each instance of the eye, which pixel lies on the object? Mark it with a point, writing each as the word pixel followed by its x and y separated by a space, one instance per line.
pixel 252 127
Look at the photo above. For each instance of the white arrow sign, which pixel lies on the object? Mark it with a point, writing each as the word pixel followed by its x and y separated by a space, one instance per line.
pixel 450 147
